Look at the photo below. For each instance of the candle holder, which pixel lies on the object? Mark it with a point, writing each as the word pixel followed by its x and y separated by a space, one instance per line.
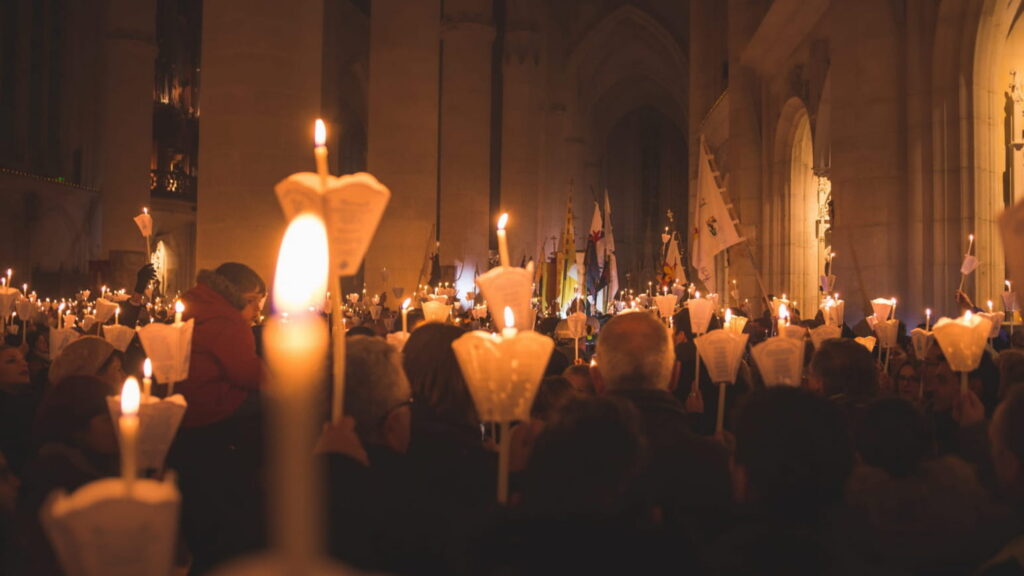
pixel 867 342
pixel 169 346
pixel 666 304
pixel 780 361
pixel 118 336
pixel 834 311
pixel 963 341
pixel 59 340
pixel 159 420
pixel 508 286
pixel 721 351
pixel 824 332
pixel 105 310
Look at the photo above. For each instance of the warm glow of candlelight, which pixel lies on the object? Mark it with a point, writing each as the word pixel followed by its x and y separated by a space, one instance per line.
pixel 320 133
pixel 503 221
pixel 300 281
pixel 145 210
pixel 130 397
pixel 405 305
pixel 147 369
pixel 510 318
pixel 990 306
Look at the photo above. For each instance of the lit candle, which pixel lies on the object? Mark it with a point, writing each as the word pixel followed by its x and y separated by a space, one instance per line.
pixel 650 288
pixel 147 378
pixel 783 319
pixel 970 243
pixel 128 425
pixel 296 351
pixel 927 319
pixel 892 313
pixel 24 290
pixel 320 151
pixel 405 315
pixel 509 331
pixel 117 315
pixel 179 309
pixel 9 273
pixel 989 306
pixel 503 240
pixel 60 316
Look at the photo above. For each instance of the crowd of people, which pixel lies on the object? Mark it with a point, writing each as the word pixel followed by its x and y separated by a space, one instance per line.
pixel 861 469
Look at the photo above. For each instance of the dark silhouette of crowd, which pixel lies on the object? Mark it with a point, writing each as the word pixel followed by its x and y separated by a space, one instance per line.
pixel 864 468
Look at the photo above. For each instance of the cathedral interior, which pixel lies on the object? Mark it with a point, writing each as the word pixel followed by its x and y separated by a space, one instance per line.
pixel 872 135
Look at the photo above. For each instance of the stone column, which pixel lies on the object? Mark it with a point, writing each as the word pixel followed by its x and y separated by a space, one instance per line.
pixel 468 33
pixel 126 128
pixel 261 94
pixel 402 142
pixel 745 153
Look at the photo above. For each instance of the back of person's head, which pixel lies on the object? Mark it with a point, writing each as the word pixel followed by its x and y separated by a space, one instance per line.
pixel 1011 370
pixel 584 462
pixel 360 331
pixel 793 450
pixel 554 391
pixel 635 351
pixel 88 356
pixel 434 374
pixel 845 367
pixel 1007 434
pixel 579 376
pixel 67 407
pixel 232 280
pixel 374 385
pixel 892 434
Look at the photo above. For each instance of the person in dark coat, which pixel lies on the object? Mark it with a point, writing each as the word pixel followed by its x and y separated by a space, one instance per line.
pixel 685 476
pixel 1007 435
pixel 19 398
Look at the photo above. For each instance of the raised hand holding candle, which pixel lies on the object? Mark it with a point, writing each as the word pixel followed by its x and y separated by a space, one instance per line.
pixel 320 151
pixel 405 314
pixel 503 240
pixel 128 426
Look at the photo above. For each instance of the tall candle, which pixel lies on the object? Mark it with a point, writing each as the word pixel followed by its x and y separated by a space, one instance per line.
pixel 783 319
pixel 892 312
pixel 405 315
pixel 179 309
pixel 9 273
pixel 117 315
pixel 503 240
pixel 147 378
pixel 296 350
pixel 320 151
pixel 927 319
pixel 128 425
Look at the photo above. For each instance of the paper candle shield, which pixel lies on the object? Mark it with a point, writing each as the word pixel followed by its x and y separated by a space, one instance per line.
pixel 996 318
pixel 351 207
pixel 962 340
pixel 576 324
pixel 922 341
pixel 375 312
pixel 736 324
pixel 887 331
pixel 872 321
pixel 824 332
pixel 701 310
pixel 480 312
pixel 398 339
pixel 866 341
pixel 834 312
pixel 26 309
pixel 828 283
pixel 104 310
pixel 88 322
pixel 8 296
pixel 882 308
pixel 101 530
pixel 145 223
pixel 666 304
pixel 118 336
pixel 795 332
pixel 503 374
pixel 436 312
pixel 508 286
pixel 780 361
pixel 721 352
pixel 969 265
pixel 159 420
pixel 59 340
pixel 169 347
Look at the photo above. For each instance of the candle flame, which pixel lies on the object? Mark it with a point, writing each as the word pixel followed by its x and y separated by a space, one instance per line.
pixel 728 316
pixel 301 277
pixel 783 311
pixel 696 294
pixel 145 210
pixel 405 305
pixel 510 318
pixel 130 397
pixel 179 306
pixel 1007 285
pixel 503 221
pixel 990 306
pixel 320 133
pixel 928 311
pixel 147 368
pixel 967 316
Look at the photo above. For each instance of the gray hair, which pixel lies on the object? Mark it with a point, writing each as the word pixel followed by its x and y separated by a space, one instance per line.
pixel 374 384
pixel 635 351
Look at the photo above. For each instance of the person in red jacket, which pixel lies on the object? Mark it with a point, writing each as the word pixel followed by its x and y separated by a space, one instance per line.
pixel 225 303
pixel 217 453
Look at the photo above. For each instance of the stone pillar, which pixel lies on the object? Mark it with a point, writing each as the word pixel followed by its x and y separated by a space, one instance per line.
pixel 402 142
pixel 522 105
pixel 745 154
pixel 868 167
pixel 126 128
pixel 261 94
pixel 468 34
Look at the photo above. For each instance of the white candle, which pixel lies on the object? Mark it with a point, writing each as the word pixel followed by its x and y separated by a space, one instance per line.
pixel 989 306
pixel 503 240
pixel 128 425
pixel 320 151
pixel 60 316
pixel 9 273
pixel 970 243
pixel 296 351
pixel 405 315
pixel 179 309
pixel 783 319
pixel 927 319
pixel 147 378
pixel 892 313
pixel 509 331
pixel 117 315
